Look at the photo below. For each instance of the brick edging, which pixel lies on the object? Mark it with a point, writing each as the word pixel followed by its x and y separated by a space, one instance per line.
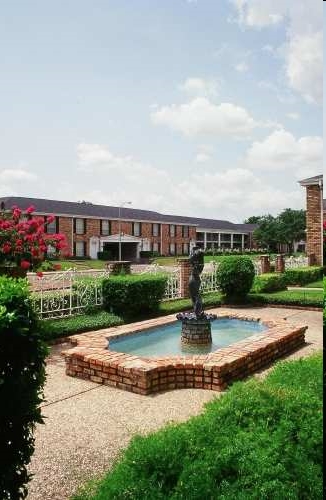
pixel 90 359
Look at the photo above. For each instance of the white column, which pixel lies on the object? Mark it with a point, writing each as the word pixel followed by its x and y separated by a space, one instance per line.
pixel 219 240
pixel 231 240
pixel 205 240
pixel 242 241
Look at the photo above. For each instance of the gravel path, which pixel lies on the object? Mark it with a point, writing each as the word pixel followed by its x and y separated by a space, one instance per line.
pixel 87 425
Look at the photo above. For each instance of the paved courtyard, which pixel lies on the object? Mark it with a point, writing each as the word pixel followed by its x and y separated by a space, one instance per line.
pixel 87 425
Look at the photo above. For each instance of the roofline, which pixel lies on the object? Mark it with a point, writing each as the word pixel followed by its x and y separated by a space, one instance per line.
pixel 318 181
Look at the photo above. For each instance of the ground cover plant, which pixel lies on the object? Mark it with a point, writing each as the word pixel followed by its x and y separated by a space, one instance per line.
pixel 261 440
pixel 304 298
pixel 56 328
pixel 22 375
pixel 315 284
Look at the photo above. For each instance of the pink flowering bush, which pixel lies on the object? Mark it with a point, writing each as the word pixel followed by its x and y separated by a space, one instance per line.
pixel 23 240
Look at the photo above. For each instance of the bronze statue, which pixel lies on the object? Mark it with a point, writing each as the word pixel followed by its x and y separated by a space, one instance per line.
pixel 197 265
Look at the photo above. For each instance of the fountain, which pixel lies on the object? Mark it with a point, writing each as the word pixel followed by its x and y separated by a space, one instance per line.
pixel 196 326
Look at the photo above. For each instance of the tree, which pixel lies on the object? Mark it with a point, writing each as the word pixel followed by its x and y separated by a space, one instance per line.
pixel 266 235
pixel 254 219
pixel 291 227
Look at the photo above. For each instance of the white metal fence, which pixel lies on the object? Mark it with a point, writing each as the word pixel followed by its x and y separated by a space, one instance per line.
pixel 173 286
pixel 66 293
pixel 294 262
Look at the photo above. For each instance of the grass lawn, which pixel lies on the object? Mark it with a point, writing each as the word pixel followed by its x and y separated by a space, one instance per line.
pixel 261 440
pixel 81 264
pixel 313 298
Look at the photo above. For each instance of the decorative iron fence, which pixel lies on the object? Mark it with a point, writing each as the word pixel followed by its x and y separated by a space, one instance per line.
pixel 66 293
pixel 209 279
pixel 294 262
pixel 173 286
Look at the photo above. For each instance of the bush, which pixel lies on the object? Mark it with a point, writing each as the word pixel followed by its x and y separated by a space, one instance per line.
pixel 304 298
pixel 261 440
pixel 235 276
pixel 105 255
pixel 303 275
pixel 148 254
pixel 269 283
pixel 132 295
pixel 55 328
pixel 22 375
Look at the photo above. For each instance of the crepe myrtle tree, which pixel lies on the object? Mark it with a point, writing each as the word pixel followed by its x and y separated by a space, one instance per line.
pixel 23 238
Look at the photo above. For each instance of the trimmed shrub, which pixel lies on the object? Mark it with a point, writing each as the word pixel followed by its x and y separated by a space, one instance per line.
pixel 22 375
pixel 132 295
pixel 304 298
pixel 150 254
pixel 235 276
pixel 261 440
pixel 269 283
pixel 55 328
pixel 105 255
pixel 303 275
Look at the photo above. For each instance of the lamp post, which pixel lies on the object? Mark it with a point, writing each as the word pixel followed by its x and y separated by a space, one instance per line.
pixel 120 206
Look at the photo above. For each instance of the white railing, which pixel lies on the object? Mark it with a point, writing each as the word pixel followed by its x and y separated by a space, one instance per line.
pixel 173 286
pixel 294 262
pixel 209 279
pixel 66 293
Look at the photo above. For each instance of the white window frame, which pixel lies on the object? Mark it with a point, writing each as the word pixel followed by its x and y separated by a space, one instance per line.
pixel 156 229
pixel 78 228
pixel 172 248
pixel 104 231
pixel 137 232
pixel 80 245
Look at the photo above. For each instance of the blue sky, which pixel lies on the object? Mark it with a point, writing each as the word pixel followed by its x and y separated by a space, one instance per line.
pixel 208 108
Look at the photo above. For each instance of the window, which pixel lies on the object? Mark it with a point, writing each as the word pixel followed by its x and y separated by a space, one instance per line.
pixel 156 247
pixel 105 227
pixel 172 248
pixel 185 231
pixel 186 249
pixel 172 230
pixel 156 229
pixel 51 227
pixel 136 229
pixel 80 226
pixel 80 248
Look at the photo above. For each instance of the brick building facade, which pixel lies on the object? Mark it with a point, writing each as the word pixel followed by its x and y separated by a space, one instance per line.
pixel 314 218
pixel 92 228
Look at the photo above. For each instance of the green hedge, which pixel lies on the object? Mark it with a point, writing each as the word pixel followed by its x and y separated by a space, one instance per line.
pixel 133 295
pixel 308 298
pixel 303 275
pixel 56 328
pixel 259 441
pixel 269 283
pixel 235 276
pixel 22 375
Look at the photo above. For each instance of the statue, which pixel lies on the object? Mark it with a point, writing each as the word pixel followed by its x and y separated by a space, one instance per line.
pixel 197 265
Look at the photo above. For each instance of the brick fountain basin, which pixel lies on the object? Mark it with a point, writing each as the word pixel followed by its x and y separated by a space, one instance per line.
pixel 91 359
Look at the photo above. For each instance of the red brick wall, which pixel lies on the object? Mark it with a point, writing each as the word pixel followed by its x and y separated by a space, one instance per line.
pixel 314 222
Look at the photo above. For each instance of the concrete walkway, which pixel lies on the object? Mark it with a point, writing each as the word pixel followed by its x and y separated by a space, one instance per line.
pixel 87 425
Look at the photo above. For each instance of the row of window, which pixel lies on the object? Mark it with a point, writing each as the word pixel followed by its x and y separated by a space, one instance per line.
pixel 80 228
pixel 80 248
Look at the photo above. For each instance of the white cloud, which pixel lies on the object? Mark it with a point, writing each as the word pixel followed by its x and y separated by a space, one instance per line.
pixel 201 87
pixel 16 175
pixel 303 49
pixel 305 66
pixel 281 151
pixel 200 117
pixel 293 116
pixel 241 67
pixel 202 157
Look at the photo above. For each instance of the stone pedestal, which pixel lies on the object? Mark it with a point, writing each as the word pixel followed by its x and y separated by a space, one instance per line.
pixel 118 266
pixel 196 331
pixel 265 264
pixel 279 264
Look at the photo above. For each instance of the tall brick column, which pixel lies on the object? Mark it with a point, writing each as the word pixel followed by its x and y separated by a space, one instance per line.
pixel 185 271
pixel 314 224
pixel 279 264
pixel 265 264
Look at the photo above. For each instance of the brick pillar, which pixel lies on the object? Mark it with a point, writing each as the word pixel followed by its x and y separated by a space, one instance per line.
pixel 314 223
pixel 279 264
pixel 311 259
pixel 185 271
pixel 265 264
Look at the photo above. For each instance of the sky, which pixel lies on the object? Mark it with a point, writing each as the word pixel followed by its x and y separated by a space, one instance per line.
pixel 206 108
